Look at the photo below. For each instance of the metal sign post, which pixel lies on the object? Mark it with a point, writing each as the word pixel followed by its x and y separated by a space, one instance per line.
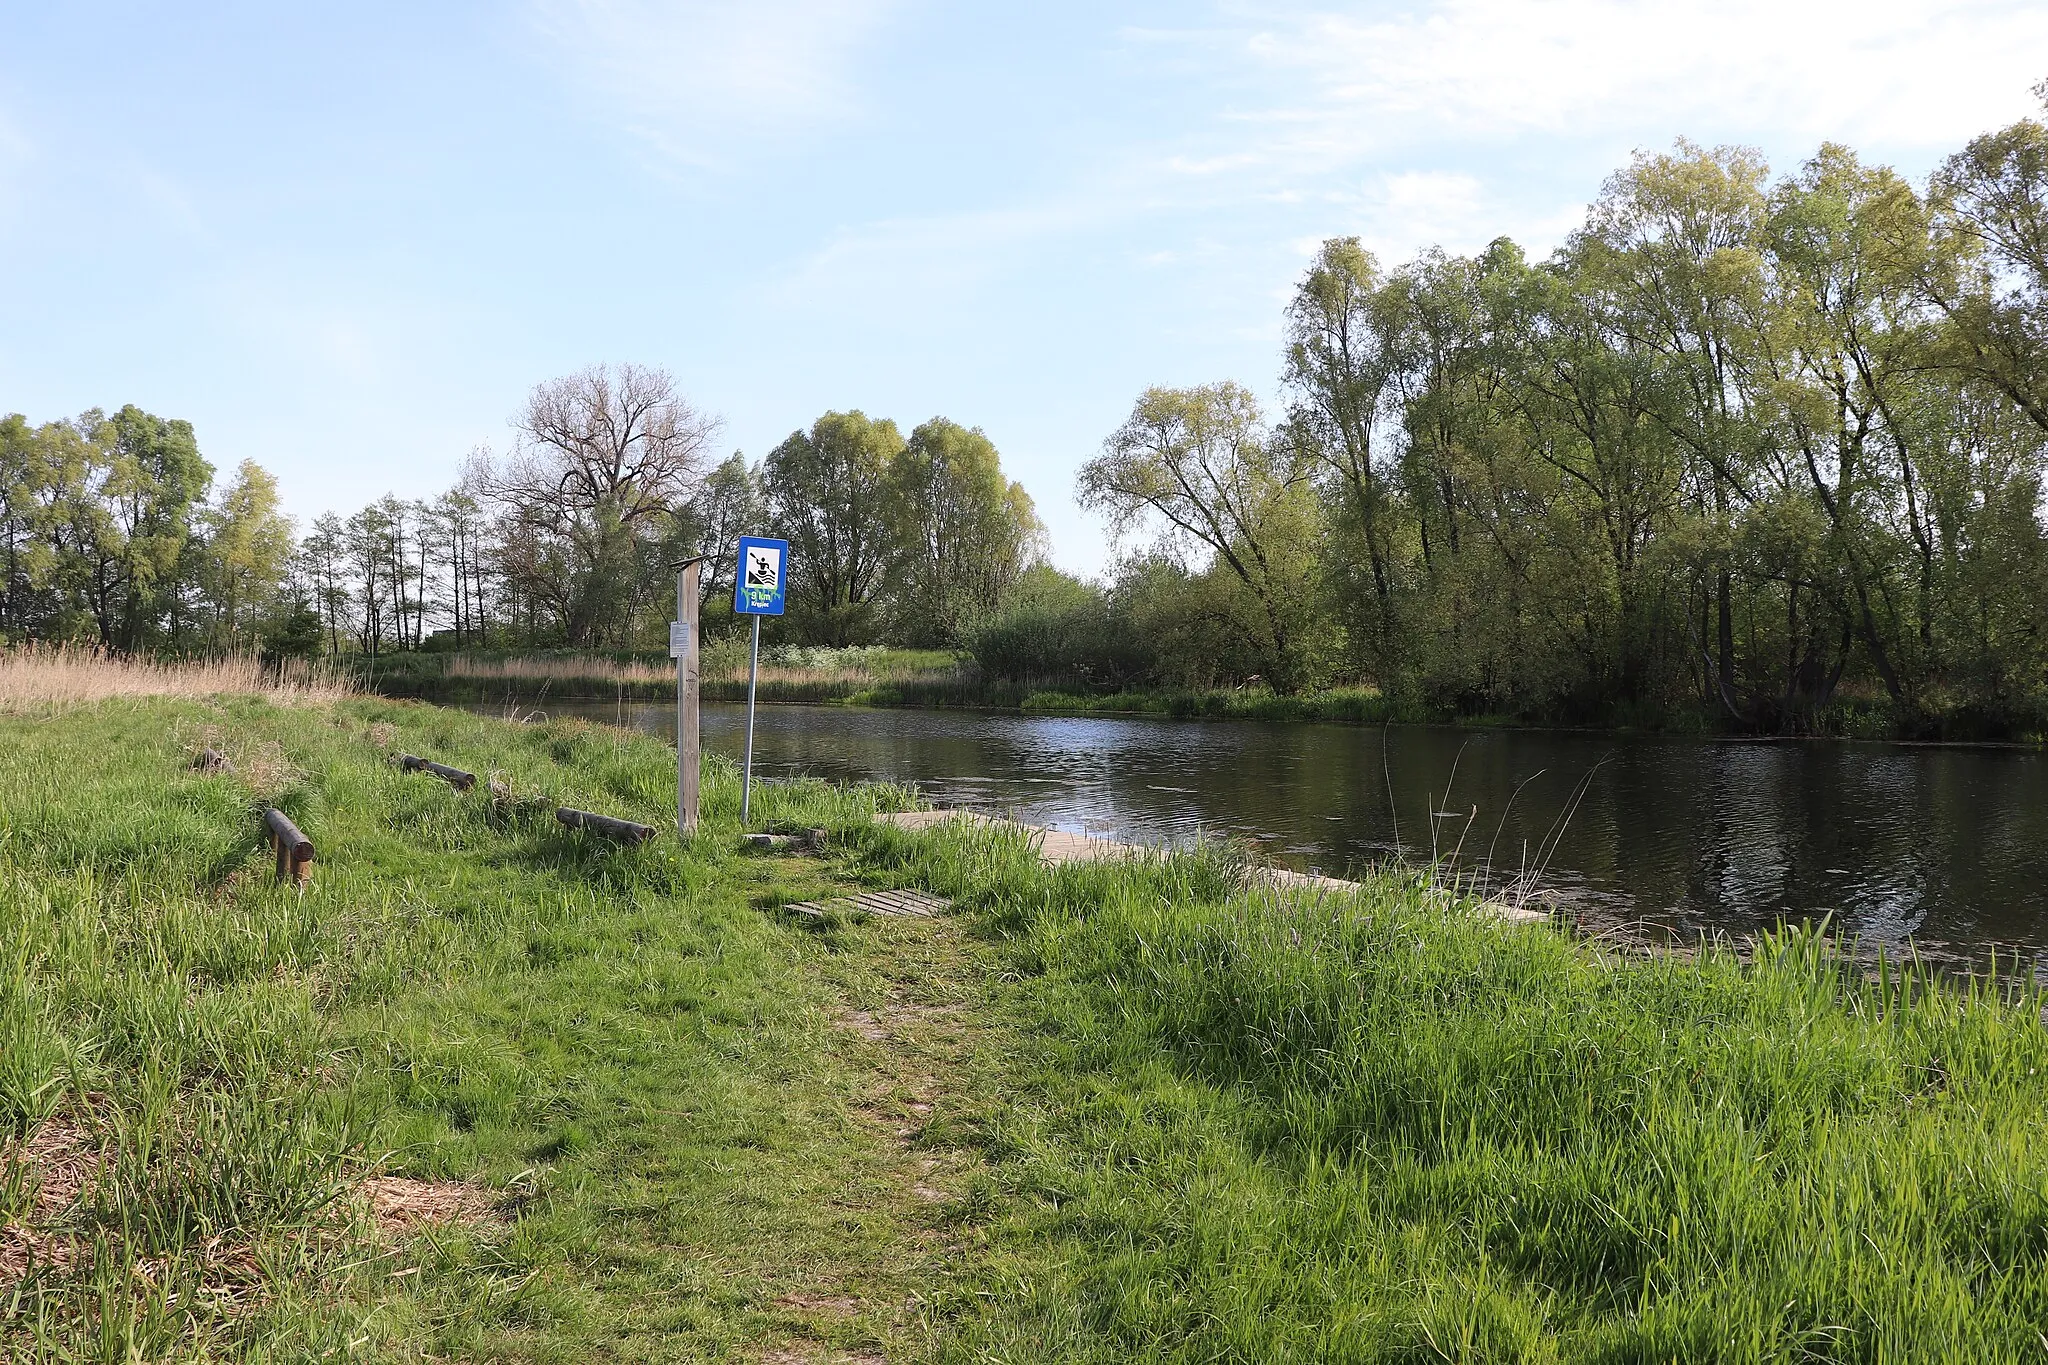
pixel 759 589
pixel 682 647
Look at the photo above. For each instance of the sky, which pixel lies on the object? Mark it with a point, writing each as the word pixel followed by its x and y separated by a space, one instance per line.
pixel 346 240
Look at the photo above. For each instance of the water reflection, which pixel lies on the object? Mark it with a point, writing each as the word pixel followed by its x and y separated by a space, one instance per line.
pixel 1948 845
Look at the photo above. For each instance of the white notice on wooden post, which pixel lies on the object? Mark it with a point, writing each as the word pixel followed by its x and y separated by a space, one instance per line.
pixel 678 638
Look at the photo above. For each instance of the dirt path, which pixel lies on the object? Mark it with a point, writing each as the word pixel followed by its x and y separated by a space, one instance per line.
pixel 905 1011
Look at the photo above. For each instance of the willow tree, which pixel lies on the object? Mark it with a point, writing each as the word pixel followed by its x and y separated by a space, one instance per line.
pixel 1341 361
pixel 964 532
pixel 1676 242
pixel 1991 200
pixel 827 491
pixel 1196 469
pixel 248 547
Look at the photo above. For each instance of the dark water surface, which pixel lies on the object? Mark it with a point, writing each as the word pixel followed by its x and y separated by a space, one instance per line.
pixel 1947 845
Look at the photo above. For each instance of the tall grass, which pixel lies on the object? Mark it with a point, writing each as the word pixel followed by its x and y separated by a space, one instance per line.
pixel 42 676
pixel 1269 1128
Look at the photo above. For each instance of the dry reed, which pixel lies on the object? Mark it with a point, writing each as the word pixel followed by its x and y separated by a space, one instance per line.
pixel 36 677
pixel 588 669
pixel 556 670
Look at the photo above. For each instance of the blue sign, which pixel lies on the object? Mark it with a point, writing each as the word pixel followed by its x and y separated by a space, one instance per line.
pixel 759 588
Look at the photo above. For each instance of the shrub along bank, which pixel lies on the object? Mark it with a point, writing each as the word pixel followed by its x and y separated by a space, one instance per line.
pixel 1103 1112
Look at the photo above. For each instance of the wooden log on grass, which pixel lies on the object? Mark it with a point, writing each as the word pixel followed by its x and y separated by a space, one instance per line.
pixel 294 849
pixel 625 831
pixel 454 777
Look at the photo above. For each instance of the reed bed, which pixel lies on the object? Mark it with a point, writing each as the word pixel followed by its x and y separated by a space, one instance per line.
pixel 556 669
pixel 787 673
pixel 40 677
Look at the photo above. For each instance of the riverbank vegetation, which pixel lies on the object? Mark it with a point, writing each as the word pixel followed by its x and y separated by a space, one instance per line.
pixel 1748 451
pixel 870 674
pixel 487 1089
pixel 1376 1131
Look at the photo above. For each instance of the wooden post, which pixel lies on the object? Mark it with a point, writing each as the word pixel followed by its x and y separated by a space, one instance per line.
pixel 294 849
pixel 454 777
pixel 689 755
pixel 625 831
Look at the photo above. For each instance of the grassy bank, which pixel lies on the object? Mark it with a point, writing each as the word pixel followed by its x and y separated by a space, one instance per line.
pixel 872 676
pixel 1102 1112
pixel 1378 1132
pixel 856 677
pixel 623 1073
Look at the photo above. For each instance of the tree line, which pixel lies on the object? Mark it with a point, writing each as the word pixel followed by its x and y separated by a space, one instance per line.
pixel 1751 451
pixel 1748 449
pixel 112 530
pixel 570 540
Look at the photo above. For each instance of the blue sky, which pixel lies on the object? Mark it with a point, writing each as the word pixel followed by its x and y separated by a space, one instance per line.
pixel 345 240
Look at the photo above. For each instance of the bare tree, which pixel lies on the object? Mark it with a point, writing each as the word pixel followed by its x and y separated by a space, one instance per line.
pixel 608 456
pixel 623 440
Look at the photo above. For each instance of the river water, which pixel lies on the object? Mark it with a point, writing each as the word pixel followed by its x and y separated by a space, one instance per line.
pixel 1946 845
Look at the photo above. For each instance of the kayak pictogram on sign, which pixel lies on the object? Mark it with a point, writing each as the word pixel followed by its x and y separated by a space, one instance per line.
pixel 760 586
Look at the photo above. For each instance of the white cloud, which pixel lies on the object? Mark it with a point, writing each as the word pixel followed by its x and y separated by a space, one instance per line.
pixel 1405 212
pixel 895 266
pixel 1904 73
pixel 698 78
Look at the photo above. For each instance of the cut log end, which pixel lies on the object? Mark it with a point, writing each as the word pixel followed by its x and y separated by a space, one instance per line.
pixel 294 849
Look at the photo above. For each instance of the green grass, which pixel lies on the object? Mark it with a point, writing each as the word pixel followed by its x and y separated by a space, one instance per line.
pixel 1108 1112
pixel 629 1051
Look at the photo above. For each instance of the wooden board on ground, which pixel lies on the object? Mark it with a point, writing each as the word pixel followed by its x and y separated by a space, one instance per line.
pixel 875 903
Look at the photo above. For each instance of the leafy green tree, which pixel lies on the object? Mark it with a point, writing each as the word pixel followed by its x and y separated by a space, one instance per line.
pixel 1991 202
pixel 1847 242
pixel 25 603
pixel 116 505
pixel 1195 468
pixel 248 552
pixel 1676 241
pixel 730 504
pixel 828 495
pixel 1342 358
pixel 963 531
